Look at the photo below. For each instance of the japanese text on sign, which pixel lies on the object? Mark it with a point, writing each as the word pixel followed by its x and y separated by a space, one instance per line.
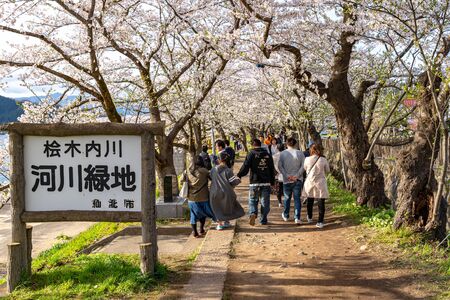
pixel 82 173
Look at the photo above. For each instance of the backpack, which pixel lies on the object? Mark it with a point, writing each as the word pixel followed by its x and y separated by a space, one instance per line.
pixel 206 160
pixel 231 153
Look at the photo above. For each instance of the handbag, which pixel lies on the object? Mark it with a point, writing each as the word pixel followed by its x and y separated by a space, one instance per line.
pixel 185 188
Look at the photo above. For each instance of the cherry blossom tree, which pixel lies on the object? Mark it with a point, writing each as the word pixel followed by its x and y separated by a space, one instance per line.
pixel 109 50
pixel 421 204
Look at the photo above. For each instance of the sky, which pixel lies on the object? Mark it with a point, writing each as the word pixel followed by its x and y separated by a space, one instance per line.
pixel 12 86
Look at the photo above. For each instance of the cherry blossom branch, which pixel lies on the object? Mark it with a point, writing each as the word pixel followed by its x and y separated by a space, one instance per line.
pixel 63 76
pixel 46 40
pixel 180 124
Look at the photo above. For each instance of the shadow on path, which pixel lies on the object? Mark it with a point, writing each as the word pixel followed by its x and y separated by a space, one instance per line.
pixel 286 261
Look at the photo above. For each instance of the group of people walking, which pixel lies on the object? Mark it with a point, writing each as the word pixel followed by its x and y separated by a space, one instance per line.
pixel 273 166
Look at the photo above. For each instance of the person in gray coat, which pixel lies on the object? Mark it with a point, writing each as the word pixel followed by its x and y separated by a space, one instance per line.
pixel 222 197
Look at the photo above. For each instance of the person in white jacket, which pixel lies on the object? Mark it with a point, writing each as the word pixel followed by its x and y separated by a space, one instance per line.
pixel 315 187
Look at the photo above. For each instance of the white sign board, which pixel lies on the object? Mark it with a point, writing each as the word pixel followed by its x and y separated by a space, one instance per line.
pixel 88 173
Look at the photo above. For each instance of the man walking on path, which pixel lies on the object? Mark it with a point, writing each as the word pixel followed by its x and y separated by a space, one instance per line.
pixel 262 175
pixel 220 147
pixel 291 167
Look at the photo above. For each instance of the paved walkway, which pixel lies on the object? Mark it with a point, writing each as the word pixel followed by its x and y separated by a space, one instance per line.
pixel 210 269
pixel 44 234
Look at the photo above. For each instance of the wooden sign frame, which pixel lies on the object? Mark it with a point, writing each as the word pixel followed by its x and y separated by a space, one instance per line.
pixel 19 250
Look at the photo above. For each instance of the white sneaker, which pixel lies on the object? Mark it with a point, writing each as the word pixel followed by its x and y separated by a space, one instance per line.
pixel 309 220
pixel 284 218
pixel 319 225
pixel 298 221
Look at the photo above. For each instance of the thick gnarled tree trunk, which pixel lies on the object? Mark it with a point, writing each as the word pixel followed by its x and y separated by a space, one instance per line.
pixel 368 180
pixel 417 183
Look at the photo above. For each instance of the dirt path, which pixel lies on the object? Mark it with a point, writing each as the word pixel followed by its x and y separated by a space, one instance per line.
pixel 285 261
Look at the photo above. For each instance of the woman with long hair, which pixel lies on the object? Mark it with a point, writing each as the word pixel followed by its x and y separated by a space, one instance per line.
pixel 223 199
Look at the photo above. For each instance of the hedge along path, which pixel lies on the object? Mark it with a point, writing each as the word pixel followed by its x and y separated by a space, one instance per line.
pixel 285 261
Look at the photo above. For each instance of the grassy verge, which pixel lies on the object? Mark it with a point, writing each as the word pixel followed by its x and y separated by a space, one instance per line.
pixel 97 276
pixel 66 251
pixel 416 250
pixel 61 273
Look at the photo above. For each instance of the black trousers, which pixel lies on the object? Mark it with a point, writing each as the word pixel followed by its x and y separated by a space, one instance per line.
pixel 321 204
pixel 280 191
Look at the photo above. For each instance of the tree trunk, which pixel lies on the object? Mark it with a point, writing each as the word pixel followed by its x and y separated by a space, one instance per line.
pixel 302 135
pixel 165 163
pixel 243 139
pixel 253 133
pixel 368 180
pixel 314 135
pixel 417 183
pixel 198 141
pixel 223 136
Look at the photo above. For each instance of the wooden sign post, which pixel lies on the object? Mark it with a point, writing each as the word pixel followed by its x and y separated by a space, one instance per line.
pixel 81 172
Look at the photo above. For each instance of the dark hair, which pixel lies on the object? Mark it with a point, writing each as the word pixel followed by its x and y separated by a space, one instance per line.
pixel 315 149
pixel 256 143
pixel 199 162
pixel 280 147
pixel 227 142
pixel 220 144
pixel 224 157
pixel 205 148
pixel 291 142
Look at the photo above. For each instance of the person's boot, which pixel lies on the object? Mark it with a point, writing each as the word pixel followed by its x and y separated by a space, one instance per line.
pixel 194 230
pixel 202 226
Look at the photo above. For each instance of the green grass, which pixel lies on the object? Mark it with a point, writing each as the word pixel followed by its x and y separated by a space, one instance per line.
pixel 61 272
pixel 67 250
pixel 193 256
pixel 344 202
pixel 96 276
pixel 416 249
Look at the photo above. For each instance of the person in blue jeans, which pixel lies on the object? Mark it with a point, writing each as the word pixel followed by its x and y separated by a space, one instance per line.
pixel 291 167
pixel 262 176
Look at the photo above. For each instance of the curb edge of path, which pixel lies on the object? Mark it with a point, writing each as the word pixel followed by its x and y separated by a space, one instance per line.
pixel 209 270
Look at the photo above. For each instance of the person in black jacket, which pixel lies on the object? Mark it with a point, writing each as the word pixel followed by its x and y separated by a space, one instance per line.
pixel 205 156
pixel 230 151
pixel 262 176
